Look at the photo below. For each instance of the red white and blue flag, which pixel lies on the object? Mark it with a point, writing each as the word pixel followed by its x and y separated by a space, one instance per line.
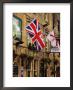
pixel 35 33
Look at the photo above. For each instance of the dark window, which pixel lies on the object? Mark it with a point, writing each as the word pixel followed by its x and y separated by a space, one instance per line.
pixel 35 74
pixel 28 66
pixel 15 70
pixel 58 71
pixel 28 73
pixel 42 69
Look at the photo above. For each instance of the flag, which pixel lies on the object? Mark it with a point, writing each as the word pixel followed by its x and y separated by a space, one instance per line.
pixel 51 37
pixel 35 33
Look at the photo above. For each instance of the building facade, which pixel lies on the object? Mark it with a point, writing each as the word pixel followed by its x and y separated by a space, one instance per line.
pixel 28 62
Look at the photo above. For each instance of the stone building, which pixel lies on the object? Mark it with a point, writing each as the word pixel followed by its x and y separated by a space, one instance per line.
pixel 32 63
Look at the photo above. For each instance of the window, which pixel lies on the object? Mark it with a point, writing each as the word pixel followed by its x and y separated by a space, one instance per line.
pixel 35 73
pixel 15 70
pixel 28 73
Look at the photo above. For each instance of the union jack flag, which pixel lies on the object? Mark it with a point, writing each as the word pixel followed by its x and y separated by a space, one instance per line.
pixel 35 33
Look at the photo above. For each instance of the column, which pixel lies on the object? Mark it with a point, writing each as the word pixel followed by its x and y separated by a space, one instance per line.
pixel 56 24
